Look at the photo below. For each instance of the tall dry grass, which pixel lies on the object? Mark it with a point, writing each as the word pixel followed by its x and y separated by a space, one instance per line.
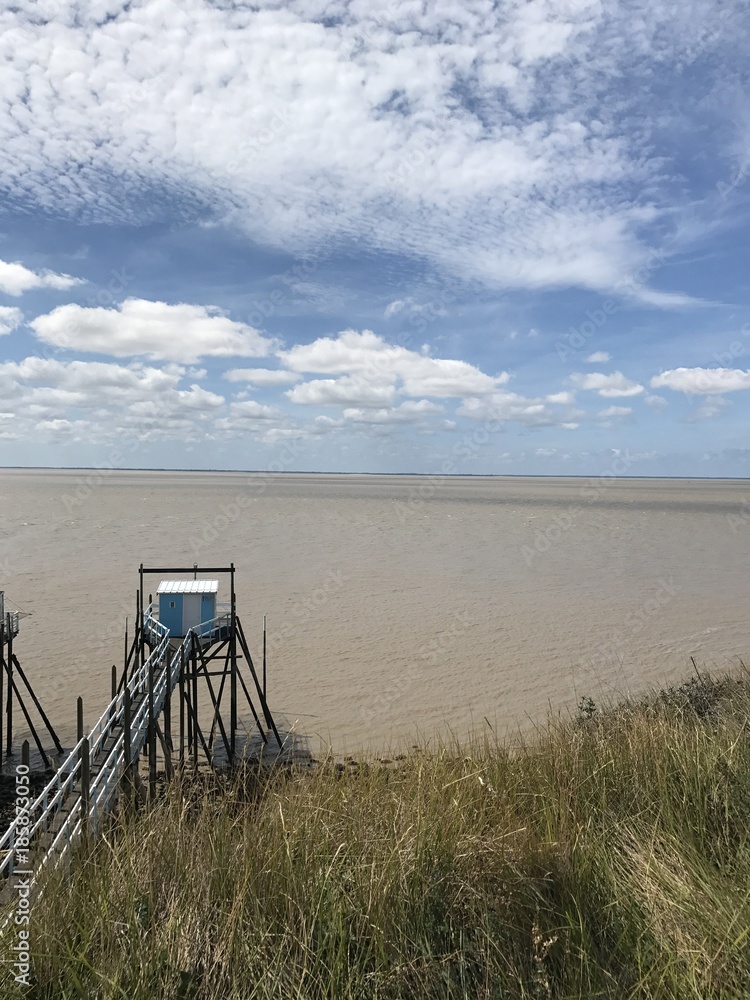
pixel 607 857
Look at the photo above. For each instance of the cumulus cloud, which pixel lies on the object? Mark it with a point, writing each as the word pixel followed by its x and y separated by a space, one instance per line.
pixel 155 330
pixel 609 386
pixel 598 357
pixel 655 402
pixel 383 367
pixel 350 390
pixel 15 279
pixel 262 376
pixel 703 381
pixel 110 400
pixel 483 129
pixel 10 318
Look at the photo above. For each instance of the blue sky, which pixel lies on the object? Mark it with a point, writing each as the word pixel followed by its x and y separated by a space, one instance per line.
pixel 482 237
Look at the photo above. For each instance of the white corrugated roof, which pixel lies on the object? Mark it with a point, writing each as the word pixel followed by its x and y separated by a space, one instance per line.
pixel 188 587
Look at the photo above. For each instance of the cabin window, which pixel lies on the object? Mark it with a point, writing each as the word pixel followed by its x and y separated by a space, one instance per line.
pixel 171 604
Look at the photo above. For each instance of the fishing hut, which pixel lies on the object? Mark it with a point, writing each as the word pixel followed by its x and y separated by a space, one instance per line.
pixel 186 604
pixel 187 684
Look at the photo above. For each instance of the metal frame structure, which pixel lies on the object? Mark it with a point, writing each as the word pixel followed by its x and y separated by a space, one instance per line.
pixel 102 767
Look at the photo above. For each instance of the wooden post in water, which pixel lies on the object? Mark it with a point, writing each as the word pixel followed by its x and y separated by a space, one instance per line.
pixel 25 754
pixel 265 689
pixel 79 720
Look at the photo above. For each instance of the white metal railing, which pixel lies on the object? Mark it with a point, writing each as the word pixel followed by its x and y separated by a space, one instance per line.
pixel 104 787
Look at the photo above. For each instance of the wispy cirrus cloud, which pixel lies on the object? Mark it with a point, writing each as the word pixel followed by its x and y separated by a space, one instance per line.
pixel 478 139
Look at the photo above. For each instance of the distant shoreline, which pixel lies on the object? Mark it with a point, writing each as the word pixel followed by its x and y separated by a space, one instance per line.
pixel 388 475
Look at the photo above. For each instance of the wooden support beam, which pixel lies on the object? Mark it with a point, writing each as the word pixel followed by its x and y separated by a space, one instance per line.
pixel 45 720
pixel 264 705
pixel 217 712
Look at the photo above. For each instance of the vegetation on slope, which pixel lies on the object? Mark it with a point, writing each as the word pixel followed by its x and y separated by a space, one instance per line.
pixel 607 857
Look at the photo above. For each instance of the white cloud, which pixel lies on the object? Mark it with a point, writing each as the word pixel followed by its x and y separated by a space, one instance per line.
pixel 394 308
pixel 478 137
pixel 515 408
pixel 702 381
pixel 562 398
pixel 598 357
pixel 10 318
pixel 155 330
pixel 710 407
pixel 15 279
pixel 350 390
pixel 409 412
pixel 262 376
pixel 103 401
pixel 381 365
pixel 655 402
pixel 609 386
pixel 615 411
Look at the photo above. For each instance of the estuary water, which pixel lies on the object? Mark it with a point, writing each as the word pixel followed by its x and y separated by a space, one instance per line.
pixel 396 605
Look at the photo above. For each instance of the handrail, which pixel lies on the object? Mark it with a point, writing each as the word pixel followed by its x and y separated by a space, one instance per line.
pixel 105 784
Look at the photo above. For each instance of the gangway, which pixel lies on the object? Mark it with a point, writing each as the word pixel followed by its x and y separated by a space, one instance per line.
pixel 90 781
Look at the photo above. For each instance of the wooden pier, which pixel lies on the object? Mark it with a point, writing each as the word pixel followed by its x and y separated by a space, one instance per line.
pixel 156 711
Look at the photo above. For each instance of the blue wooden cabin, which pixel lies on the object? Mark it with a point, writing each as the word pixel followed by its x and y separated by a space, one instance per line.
pixel 186 604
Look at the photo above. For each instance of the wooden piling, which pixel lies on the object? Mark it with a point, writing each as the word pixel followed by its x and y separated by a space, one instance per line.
pixel 265 689
pixel 25 754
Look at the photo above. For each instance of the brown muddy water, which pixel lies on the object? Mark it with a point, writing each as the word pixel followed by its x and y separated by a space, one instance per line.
pixel 396 605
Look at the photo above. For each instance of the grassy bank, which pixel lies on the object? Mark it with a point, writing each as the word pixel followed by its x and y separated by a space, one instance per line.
pixel 607 857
